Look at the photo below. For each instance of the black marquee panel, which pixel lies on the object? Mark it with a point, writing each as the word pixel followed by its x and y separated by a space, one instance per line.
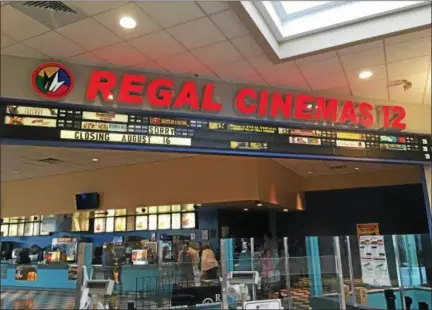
pixel 98 125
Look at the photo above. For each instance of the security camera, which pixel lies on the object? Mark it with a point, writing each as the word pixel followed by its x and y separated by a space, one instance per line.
pixel 407 85
pixel 143 210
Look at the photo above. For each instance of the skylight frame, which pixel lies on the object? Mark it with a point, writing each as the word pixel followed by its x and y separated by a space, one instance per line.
pixel 282 24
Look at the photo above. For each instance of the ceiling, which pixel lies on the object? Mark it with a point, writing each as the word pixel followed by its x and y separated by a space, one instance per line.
pixel 208 39
pixel 24 162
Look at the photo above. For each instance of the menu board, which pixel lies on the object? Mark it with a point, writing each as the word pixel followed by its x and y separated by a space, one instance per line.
pixel 147 129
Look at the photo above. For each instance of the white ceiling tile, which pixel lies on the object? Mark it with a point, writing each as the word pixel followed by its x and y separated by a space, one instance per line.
pixel 323 68
pixel 157 45
pixel 379 73
pixel 95 35
pixel 95 7
pixel 121 54
pixel 340 91
pixel 89 59
pixel 55 45
pixel 211 7
pixel 413 95
pixel 331 81
pixel 229 23
pixel 238 71
pixel 318 57
pixel 247 46
pixel 18 25
pixel 21 50
pixel 218 53
pixel 427 95
pixel 409 36
pixel 111 19
pixel 408 49
pixel 197 33
pixel 6 41
pixel 363 60
pixel 360 47
pixel 149 66
pixel 403 69
pixel 181 63
pixel 171 13
pixel 370 89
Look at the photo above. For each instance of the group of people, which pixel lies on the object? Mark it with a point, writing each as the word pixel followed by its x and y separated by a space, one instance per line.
pixel 191 260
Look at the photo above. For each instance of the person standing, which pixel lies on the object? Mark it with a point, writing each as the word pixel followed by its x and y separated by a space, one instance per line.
pixel 186 261
pixel 108 262
pixel 209 264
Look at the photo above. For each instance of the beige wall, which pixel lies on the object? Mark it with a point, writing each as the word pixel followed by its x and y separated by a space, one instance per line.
pixel 200 179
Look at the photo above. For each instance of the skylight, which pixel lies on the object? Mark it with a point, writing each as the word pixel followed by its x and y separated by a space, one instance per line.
pixel 294 18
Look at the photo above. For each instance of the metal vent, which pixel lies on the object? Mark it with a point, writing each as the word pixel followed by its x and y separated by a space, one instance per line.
pixel 51 161
pixel 56 6
pixel 340 167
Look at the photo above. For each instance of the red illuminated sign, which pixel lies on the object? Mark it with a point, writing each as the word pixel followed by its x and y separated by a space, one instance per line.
pixel 248 101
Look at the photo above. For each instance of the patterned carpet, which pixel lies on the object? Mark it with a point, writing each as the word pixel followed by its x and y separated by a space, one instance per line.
pixel 11 299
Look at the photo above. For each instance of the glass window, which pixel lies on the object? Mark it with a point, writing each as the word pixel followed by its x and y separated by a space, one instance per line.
pixel 176 208
pixel 164 221
pixel 141 222
pixel 120 224
pixel 188 207
pixel 152 210
pixel 152 222
pixel 164 209
pixel 176 221
pixel 188 220
pixel 5 230
pixel 13 230
pixel 36 228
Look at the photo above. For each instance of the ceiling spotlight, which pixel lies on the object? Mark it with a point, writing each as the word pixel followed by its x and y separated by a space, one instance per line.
pixel 95 160
pixel 127 22
pixel 246 209
pixel 285 210
pixel 364 75
pixel 198 205
pixel 356 168
pixel 310 172
pixel 110 97
pixel 259 204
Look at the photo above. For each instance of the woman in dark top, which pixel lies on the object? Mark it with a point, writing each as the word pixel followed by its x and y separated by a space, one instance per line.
pixel 186 261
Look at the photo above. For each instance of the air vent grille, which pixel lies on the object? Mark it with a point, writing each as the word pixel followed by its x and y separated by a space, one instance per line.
pixel 56 6
pixel 51 161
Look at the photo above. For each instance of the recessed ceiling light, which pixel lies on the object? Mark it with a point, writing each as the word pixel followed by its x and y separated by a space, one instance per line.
pixel 246 209
pixel 285 210
pixel 364 75
pixel 110 97
pixel 198 205
pixel 356 168
pixel 259 204
pixel 127 22
pixel 310 172
pixel 95 159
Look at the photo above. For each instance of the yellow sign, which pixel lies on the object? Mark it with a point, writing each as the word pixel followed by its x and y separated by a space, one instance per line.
pixel 368 229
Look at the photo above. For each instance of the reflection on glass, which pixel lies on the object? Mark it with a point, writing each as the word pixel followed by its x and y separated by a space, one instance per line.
pixel 153 222
pixel 176 221
pixel 141 222
pixel 164 221
pixel 188 220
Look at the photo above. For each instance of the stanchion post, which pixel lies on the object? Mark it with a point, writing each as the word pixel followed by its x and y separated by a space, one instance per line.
pixel 287 272
pixel 224 270
pixel 399 271
pixel 351 272
pixel 338 265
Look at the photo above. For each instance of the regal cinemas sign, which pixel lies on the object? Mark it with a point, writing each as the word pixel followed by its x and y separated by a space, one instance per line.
pixel 133 89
